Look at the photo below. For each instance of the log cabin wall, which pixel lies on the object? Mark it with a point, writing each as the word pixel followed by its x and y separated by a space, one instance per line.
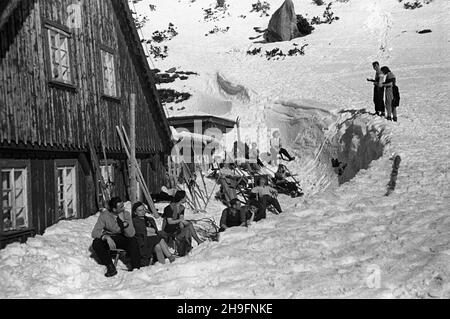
pixel 44 121
pixel 36 110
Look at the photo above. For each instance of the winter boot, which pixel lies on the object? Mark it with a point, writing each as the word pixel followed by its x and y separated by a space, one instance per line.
pixel 292 158
pixel 382 114
pixel 395 119
pixel 111 270
pixel 389 118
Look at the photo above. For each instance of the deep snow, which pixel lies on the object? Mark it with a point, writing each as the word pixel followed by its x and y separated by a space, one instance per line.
pixel 337 241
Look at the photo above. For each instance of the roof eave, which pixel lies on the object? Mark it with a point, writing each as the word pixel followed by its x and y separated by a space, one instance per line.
pixel 122 9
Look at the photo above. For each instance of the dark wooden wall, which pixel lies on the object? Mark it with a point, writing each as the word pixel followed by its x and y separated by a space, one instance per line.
pixel 43 194
pixel 33 111
pixel 153 169
pixel 44 122
pixel 43 185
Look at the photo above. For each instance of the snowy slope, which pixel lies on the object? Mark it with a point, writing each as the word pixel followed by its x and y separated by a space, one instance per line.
pixel 347 241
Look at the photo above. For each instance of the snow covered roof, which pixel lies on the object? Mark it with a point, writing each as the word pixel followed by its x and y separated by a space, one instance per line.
pixel 211 120
pixel 194 137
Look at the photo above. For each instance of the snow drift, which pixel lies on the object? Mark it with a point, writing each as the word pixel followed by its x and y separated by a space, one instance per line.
pixel 235 90
pixel 317 136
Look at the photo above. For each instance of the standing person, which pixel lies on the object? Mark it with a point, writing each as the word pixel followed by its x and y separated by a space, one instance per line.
pixel 378 89
pixel 276 148
pixel 265 195
pixel 389 84
pixel 114 229
pixel 148 238
pixel 174 222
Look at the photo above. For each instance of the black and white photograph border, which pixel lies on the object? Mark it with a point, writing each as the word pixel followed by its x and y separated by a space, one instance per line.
pixel 246 151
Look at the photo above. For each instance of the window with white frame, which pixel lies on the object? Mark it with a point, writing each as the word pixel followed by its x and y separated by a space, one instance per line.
pixel 109 74
pixel 67 195
pixel 14 199
pixel 107 173
pixel 58 43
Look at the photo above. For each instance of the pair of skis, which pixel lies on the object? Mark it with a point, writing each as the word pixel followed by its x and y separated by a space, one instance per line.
pixel 126 146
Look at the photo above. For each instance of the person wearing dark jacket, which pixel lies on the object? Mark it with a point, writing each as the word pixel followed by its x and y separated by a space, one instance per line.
pixel 149 240
pixel 378 89
pixel 236 215
pixel 174 223
pixel 114 229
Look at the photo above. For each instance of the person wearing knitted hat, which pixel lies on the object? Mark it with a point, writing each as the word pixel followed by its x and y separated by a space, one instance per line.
pixel 265 195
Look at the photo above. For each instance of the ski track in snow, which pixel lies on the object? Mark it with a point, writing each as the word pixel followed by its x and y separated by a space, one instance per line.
pixel 329 243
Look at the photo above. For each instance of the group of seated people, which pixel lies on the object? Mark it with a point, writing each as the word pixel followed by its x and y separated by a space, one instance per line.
pixel 262 196
pixel 138 234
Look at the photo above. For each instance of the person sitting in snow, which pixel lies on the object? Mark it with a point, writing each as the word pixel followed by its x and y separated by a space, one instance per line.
pixel 149 241
pixel 174 223
pixel 281 181
pixel 265 195
pixel 276 148
pixel 235 215
pixel 252 211
pixel 114 229
pixel 255 161
pixel 390 88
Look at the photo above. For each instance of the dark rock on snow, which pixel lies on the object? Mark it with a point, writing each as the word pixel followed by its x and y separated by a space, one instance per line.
pixel 424 31
pixel 283 24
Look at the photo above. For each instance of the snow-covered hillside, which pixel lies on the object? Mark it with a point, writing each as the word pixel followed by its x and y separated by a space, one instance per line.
pixel 347 241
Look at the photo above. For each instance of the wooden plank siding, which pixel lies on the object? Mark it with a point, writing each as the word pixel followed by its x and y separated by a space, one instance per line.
pixel 44 122
pixel 43 194
pixel 33 111
pixel 37 175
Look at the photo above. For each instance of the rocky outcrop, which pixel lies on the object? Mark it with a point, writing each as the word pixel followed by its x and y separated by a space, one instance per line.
pixel 283 24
